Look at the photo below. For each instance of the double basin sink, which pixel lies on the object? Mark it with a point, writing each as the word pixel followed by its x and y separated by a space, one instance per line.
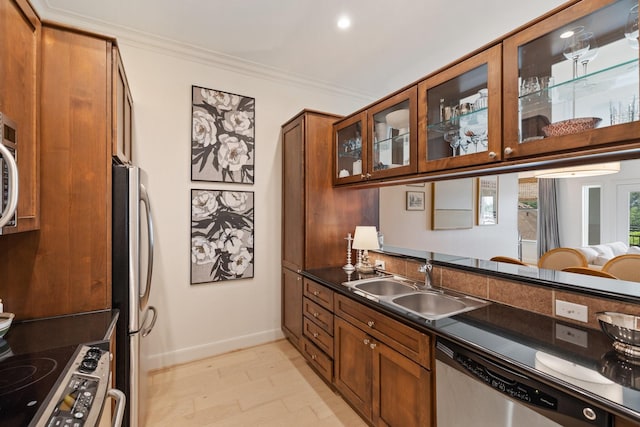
pixel 409 296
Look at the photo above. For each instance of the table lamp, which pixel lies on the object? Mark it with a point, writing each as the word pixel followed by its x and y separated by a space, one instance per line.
pixel 365 238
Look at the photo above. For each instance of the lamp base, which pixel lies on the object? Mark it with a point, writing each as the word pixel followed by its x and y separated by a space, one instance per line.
pixel 348 267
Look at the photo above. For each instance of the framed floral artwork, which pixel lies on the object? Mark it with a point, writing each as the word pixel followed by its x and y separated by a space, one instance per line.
pixel 222 136
pixel 221 235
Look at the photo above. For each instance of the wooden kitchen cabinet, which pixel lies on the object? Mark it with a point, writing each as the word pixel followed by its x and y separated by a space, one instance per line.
pixel 122 111
pixel 292 306
pixel 459 114
pixel 387 388
pixel 65 267
pixel 315 216
pixel 571 81
pixel 317 309
pixel 382 367
pixel 378 143
pixel 20 34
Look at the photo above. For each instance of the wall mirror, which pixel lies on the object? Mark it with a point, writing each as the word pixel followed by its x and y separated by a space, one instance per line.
pixel 591 210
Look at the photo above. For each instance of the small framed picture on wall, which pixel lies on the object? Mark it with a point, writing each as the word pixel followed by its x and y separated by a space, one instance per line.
pixel 415 200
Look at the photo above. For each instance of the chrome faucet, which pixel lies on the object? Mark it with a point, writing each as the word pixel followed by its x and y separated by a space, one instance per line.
pixel 426 269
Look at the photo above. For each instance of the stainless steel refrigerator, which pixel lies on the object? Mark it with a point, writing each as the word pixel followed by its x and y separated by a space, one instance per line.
pixel 132 263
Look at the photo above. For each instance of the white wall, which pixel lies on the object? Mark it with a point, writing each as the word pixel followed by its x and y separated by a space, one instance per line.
pixel 411 229
pixel 570 204
pixel 200 320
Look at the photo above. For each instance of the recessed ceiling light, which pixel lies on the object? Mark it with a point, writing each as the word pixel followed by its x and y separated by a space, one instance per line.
pixel 344 22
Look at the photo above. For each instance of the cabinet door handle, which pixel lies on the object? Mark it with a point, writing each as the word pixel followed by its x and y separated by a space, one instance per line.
pixel 508 150
pixel 373 345
pixel 366 341
pixel 492 154
pixel 371 323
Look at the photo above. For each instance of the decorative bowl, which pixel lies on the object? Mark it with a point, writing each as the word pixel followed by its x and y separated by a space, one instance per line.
pixel 623 329
pixel 398 119
pixel 567 127
pixel 5 322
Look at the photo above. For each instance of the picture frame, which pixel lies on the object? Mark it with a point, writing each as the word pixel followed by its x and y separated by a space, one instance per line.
pixel 415 201
pixel 222 136
pixel 222 233
pixel 452 207
pixel 487 207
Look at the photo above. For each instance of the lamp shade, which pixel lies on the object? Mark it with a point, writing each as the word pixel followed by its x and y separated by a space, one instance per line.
pixel 366 237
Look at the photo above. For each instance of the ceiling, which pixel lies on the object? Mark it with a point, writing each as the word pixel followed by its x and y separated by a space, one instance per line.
pixel 389 44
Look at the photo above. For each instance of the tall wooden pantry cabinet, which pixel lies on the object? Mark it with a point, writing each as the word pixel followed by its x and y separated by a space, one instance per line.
pixel 316 217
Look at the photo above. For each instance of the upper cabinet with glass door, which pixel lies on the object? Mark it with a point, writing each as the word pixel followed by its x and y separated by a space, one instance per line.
pixel 571 80
pixel 459 114
pixel 377 143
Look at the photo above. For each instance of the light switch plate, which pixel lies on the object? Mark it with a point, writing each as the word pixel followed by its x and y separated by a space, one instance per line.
pixel 379 264
pixel 572 311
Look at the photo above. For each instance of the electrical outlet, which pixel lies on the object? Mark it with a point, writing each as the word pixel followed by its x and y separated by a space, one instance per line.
pixel 378 264
pixel 572 311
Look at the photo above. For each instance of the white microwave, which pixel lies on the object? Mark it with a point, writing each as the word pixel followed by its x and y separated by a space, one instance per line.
pixel 9 170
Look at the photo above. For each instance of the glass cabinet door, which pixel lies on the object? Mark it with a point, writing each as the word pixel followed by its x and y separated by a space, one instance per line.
pixel 459 114
pixel 350 152
pixel 571 80
pixel 392 135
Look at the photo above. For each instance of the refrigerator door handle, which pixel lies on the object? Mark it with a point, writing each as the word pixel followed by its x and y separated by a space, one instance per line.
pixel 144 198
pixel 146 330
pixel 121 400
pixel 12 202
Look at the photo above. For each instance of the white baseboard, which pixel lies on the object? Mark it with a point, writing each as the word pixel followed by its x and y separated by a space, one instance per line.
pixel 185 355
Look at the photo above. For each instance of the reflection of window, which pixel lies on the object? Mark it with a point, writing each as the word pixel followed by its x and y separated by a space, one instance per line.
pixel 528 208
pixel 634 218
pixel 591 196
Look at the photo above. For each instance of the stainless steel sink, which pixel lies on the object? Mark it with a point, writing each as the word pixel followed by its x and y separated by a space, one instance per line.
pixel 385 287
pixel 408 296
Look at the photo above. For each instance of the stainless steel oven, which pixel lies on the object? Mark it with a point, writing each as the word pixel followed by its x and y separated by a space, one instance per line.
pixel 82 392
pixel 472 390
pixel 9 172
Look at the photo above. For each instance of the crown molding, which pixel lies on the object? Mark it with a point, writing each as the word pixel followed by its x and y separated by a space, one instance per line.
pixel 152 42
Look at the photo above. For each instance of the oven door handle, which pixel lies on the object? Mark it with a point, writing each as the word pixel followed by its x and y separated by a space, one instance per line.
pixel 12 202
pixel 121 401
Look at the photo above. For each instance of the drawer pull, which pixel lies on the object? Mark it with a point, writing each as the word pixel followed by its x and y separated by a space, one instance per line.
pixel 316 293
pixel 371 323
pixel 313 357
pixel 315 335
pixel 316 314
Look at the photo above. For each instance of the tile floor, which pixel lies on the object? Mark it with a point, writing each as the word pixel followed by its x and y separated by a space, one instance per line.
pixel 268 385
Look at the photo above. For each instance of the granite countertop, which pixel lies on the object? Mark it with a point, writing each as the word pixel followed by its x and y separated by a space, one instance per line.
pixel 579 360
pixel 32 336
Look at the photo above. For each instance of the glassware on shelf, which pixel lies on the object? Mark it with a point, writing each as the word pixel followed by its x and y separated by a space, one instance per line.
pixel 631 28
pixel 453 138
pixel 591 54
pixel 482 101
pixel 529 85
pixel 575 45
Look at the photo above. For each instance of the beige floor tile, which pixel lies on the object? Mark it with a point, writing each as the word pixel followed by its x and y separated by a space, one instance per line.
pixel 269 385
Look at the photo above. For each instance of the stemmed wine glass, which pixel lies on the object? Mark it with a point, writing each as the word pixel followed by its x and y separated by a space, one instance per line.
pixel 591 54
pixel 575 45
pixel 453 138
pixel 631 29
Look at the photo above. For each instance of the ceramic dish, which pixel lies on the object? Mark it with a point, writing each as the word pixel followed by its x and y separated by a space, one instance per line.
pixel 5 322
pixel 567 127
pixel 398 119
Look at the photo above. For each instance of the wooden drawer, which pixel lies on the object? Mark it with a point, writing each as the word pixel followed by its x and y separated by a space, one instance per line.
pixel 404 339
pixel 319 294
pixel 318 360
pixel 321 338
pixel 318 315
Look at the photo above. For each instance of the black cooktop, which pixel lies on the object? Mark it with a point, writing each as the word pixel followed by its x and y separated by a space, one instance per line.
pixel 25 382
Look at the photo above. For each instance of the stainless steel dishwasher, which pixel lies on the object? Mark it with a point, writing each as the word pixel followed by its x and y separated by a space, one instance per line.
pixel 474 391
